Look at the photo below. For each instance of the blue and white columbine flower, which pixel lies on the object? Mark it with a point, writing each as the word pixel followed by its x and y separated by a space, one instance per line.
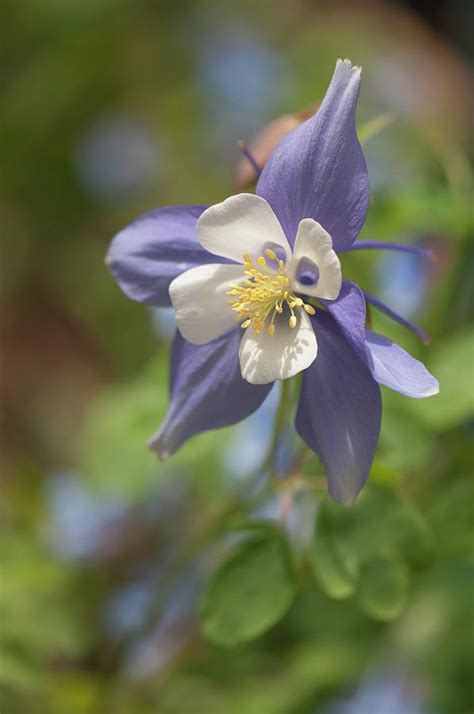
pixel 256 285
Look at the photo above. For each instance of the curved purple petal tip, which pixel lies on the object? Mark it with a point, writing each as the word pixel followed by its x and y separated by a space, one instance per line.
pixel 318 170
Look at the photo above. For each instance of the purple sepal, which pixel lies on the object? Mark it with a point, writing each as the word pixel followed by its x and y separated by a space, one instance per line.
pixel 392 366
pixel 207 391
pixel 318 170
pixel 153 250
pixel 339 411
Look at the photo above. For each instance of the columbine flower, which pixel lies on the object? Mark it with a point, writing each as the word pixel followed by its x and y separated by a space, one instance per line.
pixel 256 285
pixel 262 287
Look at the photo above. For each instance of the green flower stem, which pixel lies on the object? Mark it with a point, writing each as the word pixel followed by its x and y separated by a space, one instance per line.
pixel 281 418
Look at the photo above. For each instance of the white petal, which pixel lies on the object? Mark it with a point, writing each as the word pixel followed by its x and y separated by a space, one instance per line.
pixel 199 297
pixel 265 358
pixel 314 244
pixel 241 224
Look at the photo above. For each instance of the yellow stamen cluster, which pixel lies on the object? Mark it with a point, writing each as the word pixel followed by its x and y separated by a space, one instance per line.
pixel 264 294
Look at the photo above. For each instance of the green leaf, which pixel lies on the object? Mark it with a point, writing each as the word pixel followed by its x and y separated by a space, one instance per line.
pixel 368 548
pixel 334 559
pixel 387 523
pixel 249 593
pixel 383 588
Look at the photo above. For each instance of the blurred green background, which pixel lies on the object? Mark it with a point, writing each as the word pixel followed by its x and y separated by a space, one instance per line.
pixel 113 107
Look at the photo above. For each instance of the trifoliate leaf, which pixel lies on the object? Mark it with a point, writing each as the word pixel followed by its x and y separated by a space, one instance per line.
pixel 249 593
pixel 374 541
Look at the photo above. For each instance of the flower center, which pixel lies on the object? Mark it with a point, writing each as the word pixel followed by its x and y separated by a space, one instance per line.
pixel 264 293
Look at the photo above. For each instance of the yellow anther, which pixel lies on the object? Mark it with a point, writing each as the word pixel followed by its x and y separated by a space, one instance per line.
pixel 262 295
pixel 310 309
